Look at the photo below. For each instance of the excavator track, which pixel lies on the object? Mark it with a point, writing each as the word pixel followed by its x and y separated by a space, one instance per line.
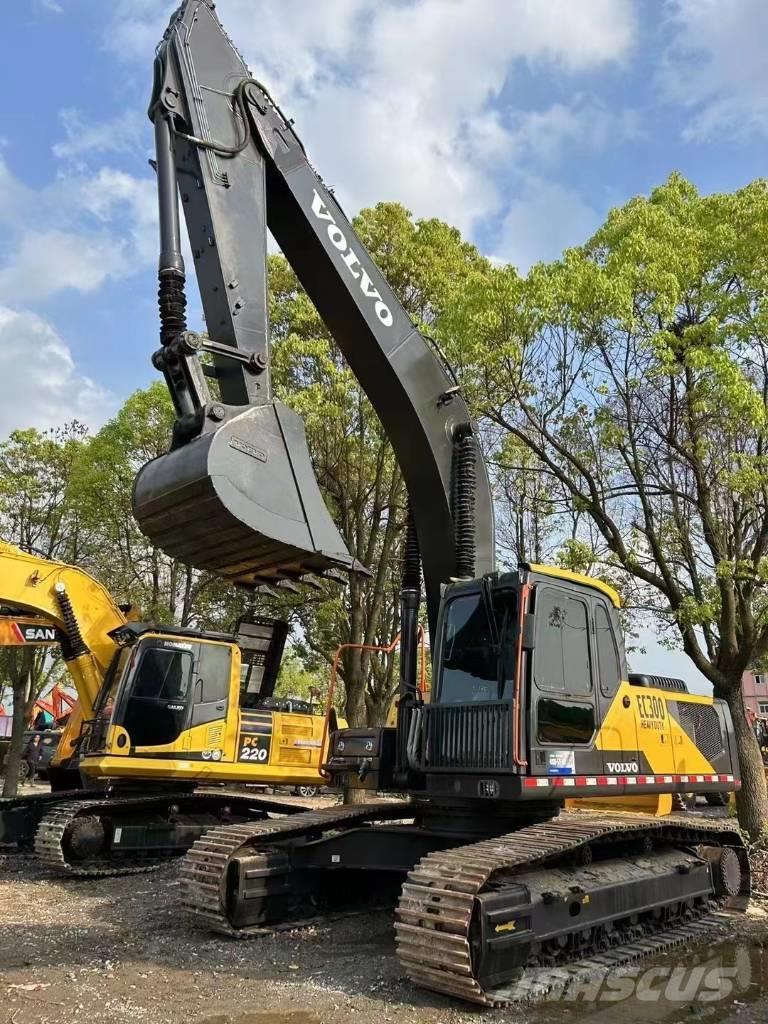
pixel 49 840
pixel 435 913
pixel 49 847
pixel 28 809
pixel 204 868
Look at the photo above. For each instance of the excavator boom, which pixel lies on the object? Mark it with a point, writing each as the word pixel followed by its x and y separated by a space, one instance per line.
pixel 237 493
pixel 83 614
pixel 31 583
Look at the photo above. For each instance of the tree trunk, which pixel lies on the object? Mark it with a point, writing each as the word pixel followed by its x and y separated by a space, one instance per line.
pixel 357 796
pixel 20 697
pixel 354 687
pixel 378 710
pixel 752 799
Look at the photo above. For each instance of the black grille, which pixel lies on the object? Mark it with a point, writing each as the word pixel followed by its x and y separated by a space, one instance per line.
pixel 659 682
pixel 701 723
pixel 468 736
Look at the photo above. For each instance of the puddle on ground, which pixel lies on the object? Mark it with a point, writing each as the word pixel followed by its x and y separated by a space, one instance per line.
pixel 290 1017
pixel 687 984
pixel 684 985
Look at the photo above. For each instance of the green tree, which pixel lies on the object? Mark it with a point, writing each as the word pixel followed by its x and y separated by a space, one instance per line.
pixel 635 371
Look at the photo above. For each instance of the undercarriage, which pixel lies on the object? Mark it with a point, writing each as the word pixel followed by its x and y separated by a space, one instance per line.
pixel 90 835
pixel 470 917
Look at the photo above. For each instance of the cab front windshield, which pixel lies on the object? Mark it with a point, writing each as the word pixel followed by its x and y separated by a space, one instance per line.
pixel 478 657
pixel 111 685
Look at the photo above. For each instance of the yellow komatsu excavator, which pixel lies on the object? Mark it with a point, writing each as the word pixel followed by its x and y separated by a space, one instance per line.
pixel 161 713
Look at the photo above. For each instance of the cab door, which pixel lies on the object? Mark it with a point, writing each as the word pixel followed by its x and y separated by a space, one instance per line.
pixel 617 738
pixel 562 692
pixel 211 697
pixel 154 708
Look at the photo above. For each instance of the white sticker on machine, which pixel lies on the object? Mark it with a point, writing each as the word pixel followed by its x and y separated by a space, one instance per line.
pixel 561 762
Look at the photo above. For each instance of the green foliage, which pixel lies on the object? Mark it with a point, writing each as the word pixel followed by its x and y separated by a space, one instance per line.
pixel 296 680
pixel 36 502
pixel 634 370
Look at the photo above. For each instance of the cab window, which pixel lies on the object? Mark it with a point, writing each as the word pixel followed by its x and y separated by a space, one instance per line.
pixel 607 655
pixel 163 674
pixel 565 722
pixel 213 673
pixel 561 661
pixel 112 681
pixel 471 661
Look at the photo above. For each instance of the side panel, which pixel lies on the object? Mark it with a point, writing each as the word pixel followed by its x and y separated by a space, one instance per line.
pixel 298 739
pixel 254 740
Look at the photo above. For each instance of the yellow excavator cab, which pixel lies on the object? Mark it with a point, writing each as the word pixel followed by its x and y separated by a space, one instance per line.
pixel 183 705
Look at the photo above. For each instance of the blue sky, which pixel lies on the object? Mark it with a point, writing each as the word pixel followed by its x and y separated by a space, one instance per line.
pixel 520 121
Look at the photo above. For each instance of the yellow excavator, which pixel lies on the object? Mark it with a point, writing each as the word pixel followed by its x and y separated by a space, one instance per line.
pixel 162 712
pixel 531 704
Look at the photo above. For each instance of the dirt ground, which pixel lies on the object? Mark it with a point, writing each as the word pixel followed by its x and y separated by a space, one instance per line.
pixel 119 950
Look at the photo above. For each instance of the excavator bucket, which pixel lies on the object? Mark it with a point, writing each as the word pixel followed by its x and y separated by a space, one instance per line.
pixel 242 502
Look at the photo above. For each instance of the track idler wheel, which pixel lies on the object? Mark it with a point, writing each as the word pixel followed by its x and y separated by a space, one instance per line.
pixel 728 874
pixel 84 839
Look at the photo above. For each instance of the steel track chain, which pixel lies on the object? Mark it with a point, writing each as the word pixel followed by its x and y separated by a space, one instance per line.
pixel 558 981
pixel 434 913
pixel 204 868
pixel 441 960
pixel 50 851
pixel 50 831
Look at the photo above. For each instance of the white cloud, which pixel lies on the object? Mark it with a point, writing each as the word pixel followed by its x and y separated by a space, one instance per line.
pixel 716 66
pixel 400 100
pixel 51 5
pixel 75 233
pixel 541 221
pixel 40 385
pixel 122 134
pixel 110 193
pixel 418 120
pixel 46 262
pixel 585 124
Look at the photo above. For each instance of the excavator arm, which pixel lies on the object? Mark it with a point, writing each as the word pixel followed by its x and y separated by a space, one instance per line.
pixel 80 608
pixel 237 494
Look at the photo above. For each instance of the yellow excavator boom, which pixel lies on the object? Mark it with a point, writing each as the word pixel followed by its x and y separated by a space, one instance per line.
pixel 31 583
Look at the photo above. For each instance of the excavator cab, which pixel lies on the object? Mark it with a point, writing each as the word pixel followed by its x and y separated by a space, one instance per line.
pixel 178 695
pixel 532 705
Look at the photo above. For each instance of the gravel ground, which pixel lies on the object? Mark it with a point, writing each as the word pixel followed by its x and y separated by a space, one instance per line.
pixel 118 950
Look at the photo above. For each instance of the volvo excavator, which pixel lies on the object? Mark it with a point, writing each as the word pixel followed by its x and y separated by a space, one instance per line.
pixel 493 860
pixel 162 713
